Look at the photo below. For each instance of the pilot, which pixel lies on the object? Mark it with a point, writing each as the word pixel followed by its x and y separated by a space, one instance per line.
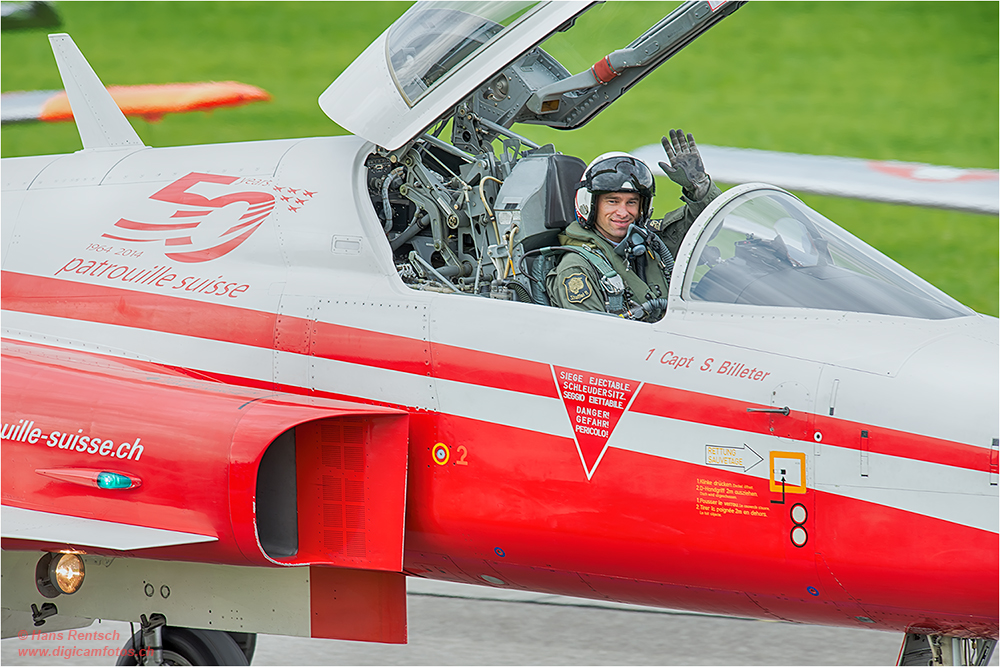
pixel 615 259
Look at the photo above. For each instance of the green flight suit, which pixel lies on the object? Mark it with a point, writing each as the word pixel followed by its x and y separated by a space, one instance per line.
pixel 575 282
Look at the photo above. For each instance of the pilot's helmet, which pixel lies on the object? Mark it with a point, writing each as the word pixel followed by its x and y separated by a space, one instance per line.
pixel 613 172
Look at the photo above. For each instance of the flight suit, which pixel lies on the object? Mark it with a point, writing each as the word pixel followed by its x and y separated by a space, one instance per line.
pixel 575 282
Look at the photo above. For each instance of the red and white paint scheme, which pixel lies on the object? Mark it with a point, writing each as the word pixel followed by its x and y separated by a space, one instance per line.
pixel 289 423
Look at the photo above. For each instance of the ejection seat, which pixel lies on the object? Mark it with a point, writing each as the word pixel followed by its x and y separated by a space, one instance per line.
pixel 537 202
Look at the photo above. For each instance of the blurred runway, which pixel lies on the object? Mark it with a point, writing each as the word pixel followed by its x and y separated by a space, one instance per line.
pixel 455 624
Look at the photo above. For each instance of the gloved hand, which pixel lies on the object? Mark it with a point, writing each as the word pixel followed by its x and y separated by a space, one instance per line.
pixel 685 167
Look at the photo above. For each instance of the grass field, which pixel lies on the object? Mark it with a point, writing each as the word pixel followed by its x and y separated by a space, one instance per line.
pixel 913 81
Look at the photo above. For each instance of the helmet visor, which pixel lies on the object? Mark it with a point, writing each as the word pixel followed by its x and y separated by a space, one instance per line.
pixel 620 174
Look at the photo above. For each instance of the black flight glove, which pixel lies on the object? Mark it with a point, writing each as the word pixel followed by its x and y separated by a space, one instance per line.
pixel 685 167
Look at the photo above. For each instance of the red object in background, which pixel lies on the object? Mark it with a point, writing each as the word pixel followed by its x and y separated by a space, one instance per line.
pixel 150 101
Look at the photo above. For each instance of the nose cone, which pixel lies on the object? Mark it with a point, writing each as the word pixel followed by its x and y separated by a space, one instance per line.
pixel 925 537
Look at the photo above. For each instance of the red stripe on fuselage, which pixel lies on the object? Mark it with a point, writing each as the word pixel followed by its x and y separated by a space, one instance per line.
pixel 68 299
pixel 55 297
pixel 460 364
pixel 711 410
pixel 169 314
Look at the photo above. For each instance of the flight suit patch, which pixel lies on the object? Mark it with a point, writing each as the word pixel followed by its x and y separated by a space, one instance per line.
pixel 577 287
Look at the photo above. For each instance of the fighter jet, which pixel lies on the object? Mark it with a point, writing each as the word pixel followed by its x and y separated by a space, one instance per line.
pixel 254 387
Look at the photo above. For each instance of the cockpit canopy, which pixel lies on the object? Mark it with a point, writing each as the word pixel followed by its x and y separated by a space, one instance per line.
pixel 433 57
pixel 766 248
pixel 427 43
pixel 479 60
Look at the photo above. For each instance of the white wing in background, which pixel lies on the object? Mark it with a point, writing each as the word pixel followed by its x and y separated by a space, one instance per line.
pixel 969 190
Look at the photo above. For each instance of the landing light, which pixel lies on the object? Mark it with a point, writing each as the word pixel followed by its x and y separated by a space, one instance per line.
pixel 57 573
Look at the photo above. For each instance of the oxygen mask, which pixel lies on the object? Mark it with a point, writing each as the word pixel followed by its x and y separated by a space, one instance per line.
pixel 634 243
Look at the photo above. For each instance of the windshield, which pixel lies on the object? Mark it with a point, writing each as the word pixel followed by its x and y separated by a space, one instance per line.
pixel 433 38
pixel 767 248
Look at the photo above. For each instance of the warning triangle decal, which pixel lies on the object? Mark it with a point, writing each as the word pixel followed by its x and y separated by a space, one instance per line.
pixel 594 404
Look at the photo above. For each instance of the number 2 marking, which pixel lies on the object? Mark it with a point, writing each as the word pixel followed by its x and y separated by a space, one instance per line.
pixel 463 452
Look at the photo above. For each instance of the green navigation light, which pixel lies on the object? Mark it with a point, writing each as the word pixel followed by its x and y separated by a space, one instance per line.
pixel 112 480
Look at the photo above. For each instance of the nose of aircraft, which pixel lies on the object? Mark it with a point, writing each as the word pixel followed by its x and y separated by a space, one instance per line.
pixel 951 384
